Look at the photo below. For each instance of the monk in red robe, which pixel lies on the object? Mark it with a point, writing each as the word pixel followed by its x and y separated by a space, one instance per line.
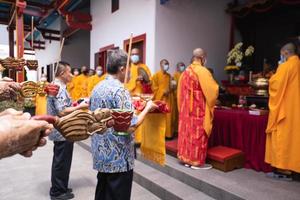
pixel 197 95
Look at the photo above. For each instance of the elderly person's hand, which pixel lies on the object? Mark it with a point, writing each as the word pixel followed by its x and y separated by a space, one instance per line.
pixel 20 134
pixel 8 89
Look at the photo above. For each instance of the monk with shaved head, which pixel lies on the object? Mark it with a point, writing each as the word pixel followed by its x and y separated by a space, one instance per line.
pixel 197 95
pixel 283 130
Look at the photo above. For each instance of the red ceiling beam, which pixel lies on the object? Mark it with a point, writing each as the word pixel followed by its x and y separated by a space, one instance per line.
pixel 61 4
pixel 78 20
pixel 20 5
pixel 31 4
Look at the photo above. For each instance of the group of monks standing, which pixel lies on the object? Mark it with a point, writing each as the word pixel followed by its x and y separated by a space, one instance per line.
pixel 191 93
pixel 162 85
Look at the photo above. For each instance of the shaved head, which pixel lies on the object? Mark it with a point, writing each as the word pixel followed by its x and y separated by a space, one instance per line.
pixel 289 48
pixel 135 51
pixel 199 53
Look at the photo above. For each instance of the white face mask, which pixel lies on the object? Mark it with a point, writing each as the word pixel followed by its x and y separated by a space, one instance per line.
pixel 181 68
pixel 99 72
pixel 166 68
pixel 43 79
pixel 135 58
pixel 205 61
pixel 76 73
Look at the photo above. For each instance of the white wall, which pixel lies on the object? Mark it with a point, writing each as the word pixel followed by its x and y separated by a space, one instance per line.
pixel 76 50
pixel 137 16
pixel 4 48
pixel 50 54
pixel 4 35
pixel 182 26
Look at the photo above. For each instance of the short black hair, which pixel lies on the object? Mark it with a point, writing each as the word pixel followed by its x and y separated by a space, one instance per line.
pixel 115 59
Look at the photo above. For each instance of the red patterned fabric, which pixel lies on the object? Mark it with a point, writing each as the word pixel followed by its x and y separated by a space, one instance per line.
pixel 192 139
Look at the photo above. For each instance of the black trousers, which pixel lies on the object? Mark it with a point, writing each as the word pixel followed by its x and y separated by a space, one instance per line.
pixel 61 166
pixel 114 186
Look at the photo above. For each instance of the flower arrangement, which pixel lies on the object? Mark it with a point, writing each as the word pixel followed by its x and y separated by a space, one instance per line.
pixel 235 57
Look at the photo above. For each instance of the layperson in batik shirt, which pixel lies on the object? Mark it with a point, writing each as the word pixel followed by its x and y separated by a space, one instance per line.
pixel 63 150
pixel 113 155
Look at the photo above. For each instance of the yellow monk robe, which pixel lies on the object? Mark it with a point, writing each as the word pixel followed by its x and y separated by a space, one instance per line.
pixel 41 100
pixel 153 139
pixel 80 89
pixel 70 87
pixel 160 84
pixel 197 95
pixel 135 88
pixel 93 81
pixel 283 131
pixel 176 77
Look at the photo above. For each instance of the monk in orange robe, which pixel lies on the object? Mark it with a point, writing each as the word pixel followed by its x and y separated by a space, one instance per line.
pixel 80 89
pixel 95 79
pixel 161 86
pixel 138 82
pixel 70 86
pixel 197 95
pixel 283 130
pixel 180 67
pixel 41 97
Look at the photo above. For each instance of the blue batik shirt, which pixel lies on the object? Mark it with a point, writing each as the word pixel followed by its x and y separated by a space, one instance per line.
pixel 57 104
pixel 112 153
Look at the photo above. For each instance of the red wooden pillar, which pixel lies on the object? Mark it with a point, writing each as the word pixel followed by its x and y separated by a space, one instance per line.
pixel 21 5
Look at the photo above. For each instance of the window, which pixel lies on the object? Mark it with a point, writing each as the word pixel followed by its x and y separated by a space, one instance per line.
pixel 114 5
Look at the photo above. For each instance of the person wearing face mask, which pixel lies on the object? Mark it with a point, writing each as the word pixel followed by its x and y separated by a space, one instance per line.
pixel 180 67
pixel 80 83
pixel 196 96
pixel 283 138
pixel 95 79
pixel 138 82
pixel 70 86
pixel 161 86
pixel 113 155
pixel 41 97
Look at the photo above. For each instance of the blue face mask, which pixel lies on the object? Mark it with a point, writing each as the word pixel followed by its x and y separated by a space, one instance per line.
pixel 135 58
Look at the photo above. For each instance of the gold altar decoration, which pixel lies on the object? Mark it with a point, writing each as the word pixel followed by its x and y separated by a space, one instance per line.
pixel 28 92
pixel 32 64
pixel 260 86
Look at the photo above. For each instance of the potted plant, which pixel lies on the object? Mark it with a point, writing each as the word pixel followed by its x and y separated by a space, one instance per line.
pixel 237 59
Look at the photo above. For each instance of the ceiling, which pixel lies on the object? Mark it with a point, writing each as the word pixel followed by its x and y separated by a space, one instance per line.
pixel 43 12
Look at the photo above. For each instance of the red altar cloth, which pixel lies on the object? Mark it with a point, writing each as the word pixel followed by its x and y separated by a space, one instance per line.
pixel 238 129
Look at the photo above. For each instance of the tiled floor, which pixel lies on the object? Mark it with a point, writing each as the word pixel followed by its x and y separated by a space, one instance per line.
pixel 29 178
